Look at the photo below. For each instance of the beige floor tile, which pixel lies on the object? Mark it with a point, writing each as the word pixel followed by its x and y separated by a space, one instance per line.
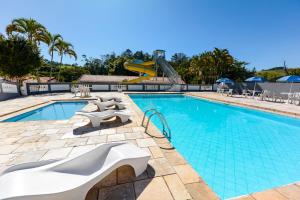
pixel 7 149
pixel 57 153
pixel 108 131
pixel 49 131
pixel 269 194
pixel 123 191
pixel 148 142
pixel 187 174
pixel 176 187
pixel 156 152
pixel 124 130
pixel 80 150
pixel 108 181
pixel 29 156
pixel 200 191
pixel 246 197
pixel 138 129
pixel 6 158
pixel 9 140
pixel 93 133
pixel 115 137
pixel 134 135
pixel 55 144
pixel 152 189
pixel 175 158
pixel 73 142
pixel 159 167
pixel 290 191
pixel 97 139
pixel 27 139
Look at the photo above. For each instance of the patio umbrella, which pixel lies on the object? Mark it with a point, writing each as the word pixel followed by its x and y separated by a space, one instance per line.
pixel 255 79
pixel 289 79
pixel 225 80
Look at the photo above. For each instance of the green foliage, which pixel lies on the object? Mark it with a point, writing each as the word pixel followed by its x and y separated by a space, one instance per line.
pixel 278 72
pixel 71 73
pixel 271 75
pixel 18 57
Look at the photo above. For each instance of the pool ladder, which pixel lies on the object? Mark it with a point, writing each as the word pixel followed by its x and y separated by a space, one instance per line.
pixel 166 129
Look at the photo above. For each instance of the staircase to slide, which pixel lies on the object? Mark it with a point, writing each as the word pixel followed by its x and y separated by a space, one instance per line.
pixel 170 72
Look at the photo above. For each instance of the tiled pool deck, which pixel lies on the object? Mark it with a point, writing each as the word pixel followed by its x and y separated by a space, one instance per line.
pixel 168 175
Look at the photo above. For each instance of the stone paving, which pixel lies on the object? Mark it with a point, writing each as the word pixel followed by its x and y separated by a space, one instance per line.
pixel 168 175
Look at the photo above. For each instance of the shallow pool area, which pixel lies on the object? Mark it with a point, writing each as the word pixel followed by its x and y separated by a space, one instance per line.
pixel 56 111
pixel 235 150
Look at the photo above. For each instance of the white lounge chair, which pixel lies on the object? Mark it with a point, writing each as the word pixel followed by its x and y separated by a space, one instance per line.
pixel 70 178
pixel 98 117
pixel 102 106
pixel 109 98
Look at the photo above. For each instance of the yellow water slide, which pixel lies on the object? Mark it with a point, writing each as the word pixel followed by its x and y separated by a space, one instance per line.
pixel 145 68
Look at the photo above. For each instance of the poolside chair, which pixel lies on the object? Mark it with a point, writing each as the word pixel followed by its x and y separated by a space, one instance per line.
pixel 109 98
pixel 245 93
pixel 70 178
pixel 108 105
pixel 276 97
pixel 230 92
pixel 98 117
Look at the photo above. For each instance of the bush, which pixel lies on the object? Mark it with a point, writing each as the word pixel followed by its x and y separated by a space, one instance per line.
pixel 18 58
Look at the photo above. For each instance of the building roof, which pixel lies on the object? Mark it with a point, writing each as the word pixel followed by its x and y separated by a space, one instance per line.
pixel 106 79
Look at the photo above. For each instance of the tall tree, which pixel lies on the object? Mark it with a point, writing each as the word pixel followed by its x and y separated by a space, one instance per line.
pixel 64 48
pixel 52 41
pixel 18 58
pixel 32 30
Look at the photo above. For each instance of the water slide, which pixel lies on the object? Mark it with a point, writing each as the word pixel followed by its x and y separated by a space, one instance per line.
pixel 141 67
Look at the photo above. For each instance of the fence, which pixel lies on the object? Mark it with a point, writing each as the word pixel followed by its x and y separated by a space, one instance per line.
pixel 39 88
pixel 8 90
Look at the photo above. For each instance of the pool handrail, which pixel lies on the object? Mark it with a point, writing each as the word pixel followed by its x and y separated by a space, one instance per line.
pixel 166 129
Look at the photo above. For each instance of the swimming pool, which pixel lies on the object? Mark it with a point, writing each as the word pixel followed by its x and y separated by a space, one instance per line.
pixel 235 150
pixel 54 111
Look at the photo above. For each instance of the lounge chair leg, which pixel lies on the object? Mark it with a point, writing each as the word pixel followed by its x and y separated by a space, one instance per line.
pixel 123 118
pixel 95 122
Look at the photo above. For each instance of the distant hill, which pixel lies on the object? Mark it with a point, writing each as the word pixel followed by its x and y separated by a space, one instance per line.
pixel 275 73
pixel 274 68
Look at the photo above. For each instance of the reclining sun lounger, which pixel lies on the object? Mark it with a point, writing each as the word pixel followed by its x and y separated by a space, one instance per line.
pixel 70 178
pixel 102 106
pixel 98 117
pixel 109 98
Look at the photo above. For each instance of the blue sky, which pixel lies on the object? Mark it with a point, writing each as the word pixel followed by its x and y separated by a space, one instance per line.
pixel 261 32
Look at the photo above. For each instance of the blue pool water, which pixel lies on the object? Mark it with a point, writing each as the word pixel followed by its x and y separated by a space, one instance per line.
pixel 54 111
pixel 235 150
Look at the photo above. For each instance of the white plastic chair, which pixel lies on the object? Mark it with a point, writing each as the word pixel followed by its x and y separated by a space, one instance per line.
pixel 70 178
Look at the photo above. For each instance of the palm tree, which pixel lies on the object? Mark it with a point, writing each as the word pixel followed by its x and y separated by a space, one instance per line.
pixel 1 37
pixel 64 48
pixel 32 30
pixel 223 60
pixel 52 41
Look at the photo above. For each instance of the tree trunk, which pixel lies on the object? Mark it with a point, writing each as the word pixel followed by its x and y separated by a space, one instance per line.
pixel 61 57
pixel 51 64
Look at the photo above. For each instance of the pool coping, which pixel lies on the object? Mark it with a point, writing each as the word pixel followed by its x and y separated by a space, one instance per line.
pixel 36 106
pixel 275 191
pixel 274 111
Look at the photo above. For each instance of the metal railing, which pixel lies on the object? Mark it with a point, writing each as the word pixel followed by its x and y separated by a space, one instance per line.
pixel 166 129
